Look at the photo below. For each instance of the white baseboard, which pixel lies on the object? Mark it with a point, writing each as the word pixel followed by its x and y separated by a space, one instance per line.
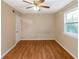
pixel 9 50
pixel 66 49
pixel 40 39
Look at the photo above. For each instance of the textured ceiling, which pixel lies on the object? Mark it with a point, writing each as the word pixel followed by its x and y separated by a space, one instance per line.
pixel 55 5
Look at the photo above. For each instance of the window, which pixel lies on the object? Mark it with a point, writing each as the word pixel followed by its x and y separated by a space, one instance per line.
pixel 71 22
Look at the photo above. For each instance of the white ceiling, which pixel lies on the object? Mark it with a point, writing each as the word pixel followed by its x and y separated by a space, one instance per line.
pixel 55 5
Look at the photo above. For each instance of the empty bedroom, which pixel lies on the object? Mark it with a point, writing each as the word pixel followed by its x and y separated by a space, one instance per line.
pixel 39 29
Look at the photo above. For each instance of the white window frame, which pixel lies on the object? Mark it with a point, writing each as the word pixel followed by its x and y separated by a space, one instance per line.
pixel 73 35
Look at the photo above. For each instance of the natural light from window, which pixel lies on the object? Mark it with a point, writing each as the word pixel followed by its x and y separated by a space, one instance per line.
pixel 71 22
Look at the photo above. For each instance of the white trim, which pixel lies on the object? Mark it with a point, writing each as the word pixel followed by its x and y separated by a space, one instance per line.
pixel 73 35
pixel 17 40
pixel 40 39
pixel 8 50
pixel 66 49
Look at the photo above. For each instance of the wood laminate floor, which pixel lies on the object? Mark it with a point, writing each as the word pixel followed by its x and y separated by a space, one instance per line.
pixel 48 49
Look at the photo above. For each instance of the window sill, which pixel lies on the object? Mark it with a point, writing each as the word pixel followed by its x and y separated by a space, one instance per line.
pixel 73 35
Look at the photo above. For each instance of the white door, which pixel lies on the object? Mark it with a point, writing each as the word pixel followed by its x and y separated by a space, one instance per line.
pixel 18 28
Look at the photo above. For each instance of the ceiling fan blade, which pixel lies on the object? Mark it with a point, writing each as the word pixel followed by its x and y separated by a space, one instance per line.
pixel 27 2
pixel 45 6
pixel 41 1
pixel 29 7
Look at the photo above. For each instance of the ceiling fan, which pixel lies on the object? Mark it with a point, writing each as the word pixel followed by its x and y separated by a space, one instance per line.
pixel 37 4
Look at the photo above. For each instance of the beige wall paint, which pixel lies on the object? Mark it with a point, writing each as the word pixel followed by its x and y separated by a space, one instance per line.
pixel 38 26
pixel 41 26
pixel 8 27
pixel 68 42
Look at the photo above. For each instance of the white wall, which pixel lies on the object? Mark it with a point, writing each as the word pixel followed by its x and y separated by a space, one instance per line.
pixel 70 43
pixel 8 28
pixel 38 26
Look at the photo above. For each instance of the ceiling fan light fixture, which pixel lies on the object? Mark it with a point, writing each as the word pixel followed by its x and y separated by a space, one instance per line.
pixel 36 8
pixel 37 4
